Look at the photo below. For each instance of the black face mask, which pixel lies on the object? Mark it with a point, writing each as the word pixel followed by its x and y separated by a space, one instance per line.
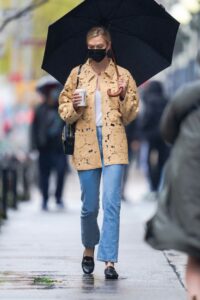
pixel 97 54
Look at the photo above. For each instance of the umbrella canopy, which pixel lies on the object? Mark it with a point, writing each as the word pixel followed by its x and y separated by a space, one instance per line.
pixel 143 36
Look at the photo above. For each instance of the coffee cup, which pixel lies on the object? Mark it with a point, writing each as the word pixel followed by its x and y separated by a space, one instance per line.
pixel 82 94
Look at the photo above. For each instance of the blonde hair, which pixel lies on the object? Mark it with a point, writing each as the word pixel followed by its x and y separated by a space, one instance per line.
pixel 97 31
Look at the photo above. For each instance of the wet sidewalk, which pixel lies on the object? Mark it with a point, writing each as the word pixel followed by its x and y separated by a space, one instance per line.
pixel 40 255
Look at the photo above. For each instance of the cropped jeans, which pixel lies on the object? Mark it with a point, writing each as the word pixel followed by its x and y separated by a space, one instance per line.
pixel 108 239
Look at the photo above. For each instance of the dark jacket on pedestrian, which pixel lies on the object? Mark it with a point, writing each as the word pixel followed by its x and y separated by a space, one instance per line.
pixel 154 102
pixel 176 224
pixel 47 129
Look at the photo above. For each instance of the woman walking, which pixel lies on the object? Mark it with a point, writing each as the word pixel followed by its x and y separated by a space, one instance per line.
pixel 100 145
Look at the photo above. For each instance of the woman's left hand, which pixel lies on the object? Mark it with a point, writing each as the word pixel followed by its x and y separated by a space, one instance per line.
pixel 122 84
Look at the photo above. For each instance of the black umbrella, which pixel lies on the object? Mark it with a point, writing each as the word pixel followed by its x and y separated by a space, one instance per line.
pixel 143 37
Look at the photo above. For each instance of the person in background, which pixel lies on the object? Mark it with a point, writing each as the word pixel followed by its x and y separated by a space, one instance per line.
pixel 154 103
pixel 176 224
pixel 46 137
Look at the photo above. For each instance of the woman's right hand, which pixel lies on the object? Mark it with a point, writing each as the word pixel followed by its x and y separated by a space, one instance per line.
pixel 76 100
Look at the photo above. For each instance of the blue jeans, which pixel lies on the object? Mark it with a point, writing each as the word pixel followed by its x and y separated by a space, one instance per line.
pixel 112 188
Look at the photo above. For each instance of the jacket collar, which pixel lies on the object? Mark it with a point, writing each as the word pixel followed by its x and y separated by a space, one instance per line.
pixel 110 70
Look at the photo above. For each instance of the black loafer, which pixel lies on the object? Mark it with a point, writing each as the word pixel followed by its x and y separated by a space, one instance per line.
pixel 110 273
pixel 88 264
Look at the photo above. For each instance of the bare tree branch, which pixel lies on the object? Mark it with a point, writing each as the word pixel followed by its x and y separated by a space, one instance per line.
pixel 22 12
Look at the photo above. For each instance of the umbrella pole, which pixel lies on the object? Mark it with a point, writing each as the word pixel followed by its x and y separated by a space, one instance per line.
pixel 115 63
pixel 109 92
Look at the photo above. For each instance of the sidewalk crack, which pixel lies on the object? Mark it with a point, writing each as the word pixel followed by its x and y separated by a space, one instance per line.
pixel 173 266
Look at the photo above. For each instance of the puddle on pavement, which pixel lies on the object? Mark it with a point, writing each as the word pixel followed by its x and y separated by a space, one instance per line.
pixel 53 280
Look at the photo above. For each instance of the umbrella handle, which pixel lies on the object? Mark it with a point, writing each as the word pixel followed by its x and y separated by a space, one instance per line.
pixel 114 94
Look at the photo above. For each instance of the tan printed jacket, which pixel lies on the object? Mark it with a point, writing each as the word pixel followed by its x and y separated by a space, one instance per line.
pixel 115 115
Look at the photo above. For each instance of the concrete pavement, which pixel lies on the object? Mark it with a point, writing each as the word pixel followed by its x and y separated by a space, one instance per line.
pixel 40 254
